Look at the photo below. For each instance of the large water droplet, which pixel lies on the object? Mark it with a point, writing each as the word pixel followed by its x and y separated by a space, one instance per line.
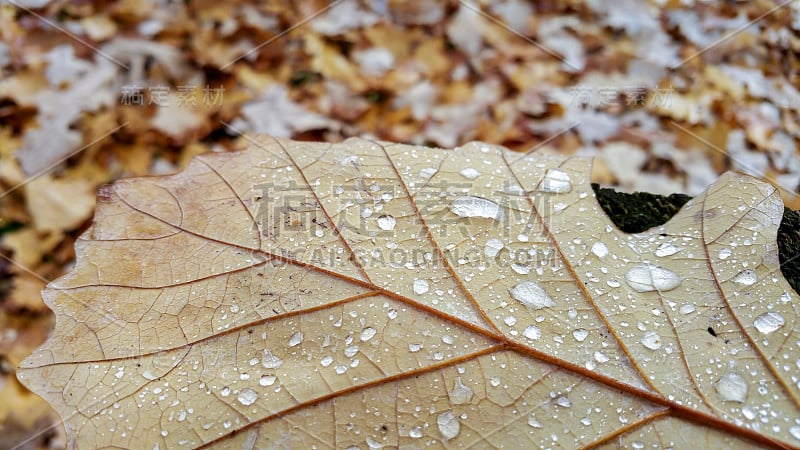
pixel 449 425
pixel 271 361
pixel 372 443
pixel 687 308
pixel 520 269
pixel 580 334
pixel 601 357
pixel 652 340
pixel 725 253
pixel 599 249
pixel 421 286
pixel 666 249
pixel 267 380
pixel 469 173
pixel 563 401
pixel 386 222
pixel 530 294
pixel 746 277
pixel 769 322
pixel 460 393
pixel 415 432
pixel 247 396
pixel 469 206
pixel 532 333
pixel 427 172
pixel 646 278
pixel 492 247
pixel 732 387
pixel 295 339
pixel 368 333
pixel 556 181
pixel 795 432
pixel 533 422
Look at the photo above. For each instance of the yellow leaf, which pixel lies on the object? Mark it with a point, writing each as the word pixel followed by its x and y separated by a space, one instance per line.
pixel 374 294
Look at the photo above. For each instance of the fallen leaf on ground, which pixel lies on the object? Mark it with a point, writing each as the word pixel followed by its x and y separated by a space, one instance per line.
pixel 59 204
pixel 378 294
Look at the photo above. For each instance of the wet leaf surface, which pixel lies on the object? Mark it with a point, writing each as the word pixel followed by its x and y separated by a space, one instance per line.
pixel 373 294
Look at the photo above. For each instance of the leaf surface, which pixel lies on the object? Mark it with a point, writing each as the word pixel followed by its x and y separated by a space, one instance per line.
pixel 374 295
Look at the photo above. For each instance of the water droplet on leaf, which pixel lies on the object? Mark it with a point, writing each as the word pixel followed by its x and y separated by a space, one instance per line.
pixel 769 322
pixel 427 172
pixel 556 181
pixel 247 396
pixel 666 249
pixel 421 286
pixel 386 222
pixel 469 173
pixel 732 387
pixel 368 333
pixel 468 206
pixel 563 401
pixel 460 393
pixel 580 334
pixel 492 247
pixel 599 249
pixel 646 278
pixel 267 380
pixel 271 361
pixel 449 425
pixel 532 333
pixel 652 340
pixel 530 294
pixel 746 277
pixel 296 339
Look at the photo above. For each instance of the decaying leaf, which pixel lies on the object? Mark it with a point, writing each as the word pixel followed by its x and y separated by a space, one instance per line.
pixel 372 294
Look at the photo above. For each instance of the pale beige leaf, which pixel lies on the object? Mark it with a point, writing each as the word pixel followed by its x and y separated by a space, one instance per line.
pixel 367 295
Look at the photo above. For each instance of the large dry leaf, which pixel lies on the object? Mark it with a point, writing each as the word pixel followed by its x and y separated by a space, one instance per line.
pixel 370 294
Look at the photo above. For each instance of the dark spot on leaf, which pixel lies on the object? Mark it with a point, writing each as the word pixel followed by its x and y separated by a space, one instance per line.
pixel 712 332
